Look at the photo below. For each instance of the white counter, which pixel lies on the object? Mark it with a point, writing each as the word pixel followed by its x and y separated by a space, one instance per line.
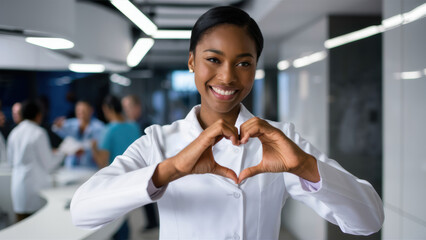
pixel 53 221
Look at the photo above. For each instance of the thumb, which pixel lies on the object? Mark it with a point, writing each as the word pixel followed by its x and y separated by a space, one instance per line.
pixel 225 172
pixel 249 172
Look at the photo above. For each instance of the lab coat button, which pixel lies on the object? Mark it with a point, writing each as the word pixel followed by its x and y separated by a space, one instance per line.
pixel 237 195
pixel 236 237
pixel 236 150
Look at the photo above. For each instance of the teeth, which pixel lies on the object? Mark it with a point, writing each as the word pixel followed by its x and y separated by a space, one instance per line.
pixel 223 92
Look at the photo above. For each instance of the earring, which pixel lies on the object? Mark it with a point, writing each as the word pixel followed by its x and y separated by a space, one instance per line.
pixel 191 70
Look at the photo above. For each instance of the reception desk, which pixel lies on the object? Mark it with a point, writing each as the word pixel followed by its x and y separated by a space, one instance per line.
pixel 53 221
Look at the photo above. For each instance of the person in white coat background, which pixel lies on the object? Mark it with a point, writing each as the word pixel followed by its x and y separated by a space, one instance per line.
pixel 222 173
pixel 32 160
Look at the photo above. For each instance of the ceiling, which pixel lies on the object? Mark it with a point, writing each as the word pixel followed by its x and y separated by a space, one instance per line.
pixel 278 19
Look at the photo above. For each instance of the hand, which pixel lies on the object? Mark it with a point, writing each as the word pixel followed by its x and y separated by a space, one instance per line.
pixel 197 157
pixel 59 122
pixel 94 145
pixel 280 154
pixel 79 152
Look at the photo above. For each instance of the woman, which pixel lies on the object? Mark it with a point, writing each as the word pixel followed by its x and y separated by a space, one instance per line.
pixel 32 159
pixel 221 172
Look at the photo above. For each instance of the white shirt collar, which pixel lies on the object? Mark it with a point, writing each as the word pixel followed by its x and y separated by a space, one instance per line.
pixel 243 116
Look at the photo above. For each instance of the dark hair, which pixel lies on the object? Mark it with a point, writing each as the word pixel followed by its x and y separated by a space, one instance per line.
pixel 226 15
pixel 30 109
pixel 112 102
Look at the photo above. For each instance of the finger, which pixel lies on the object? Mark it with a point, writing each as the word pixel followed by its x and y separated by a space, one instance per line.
pixel 222 128
pixel 249 172
pixel 225 172
pixel 251 128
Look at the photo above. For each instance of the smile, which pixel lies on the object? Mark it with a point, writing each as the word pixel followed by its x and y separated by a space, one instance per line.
pixel 223 92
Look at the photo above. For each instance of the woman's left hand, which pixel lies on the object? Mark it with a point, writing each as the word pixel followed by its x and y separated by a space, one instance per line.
pixel 280 154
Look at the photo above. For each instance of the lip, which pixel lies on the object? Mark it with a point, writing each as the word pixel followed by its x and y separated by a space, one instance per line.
pixel 226 95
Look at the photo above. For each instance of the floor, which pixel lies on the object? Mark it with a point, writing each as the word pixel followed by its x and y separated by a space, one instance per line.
pixel 137 222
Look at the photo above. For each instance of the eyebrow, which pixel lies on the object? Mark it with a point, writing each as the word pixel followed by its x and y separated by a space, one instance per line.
pixel 221 53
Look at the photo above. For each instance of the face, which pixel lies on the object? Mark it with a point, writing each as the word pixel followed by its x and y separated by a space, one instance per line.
pixel 83 112
pixel 131 110
pixel 16 113
pixel 224 65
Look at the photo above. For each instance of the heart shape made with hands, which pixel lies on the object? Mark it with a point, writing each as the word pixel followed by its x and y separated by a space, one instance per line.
pixel 280 154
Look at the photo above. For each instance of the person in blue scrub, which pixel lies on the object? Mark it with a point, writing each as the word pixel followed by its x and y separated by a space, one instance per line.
pixel 84 128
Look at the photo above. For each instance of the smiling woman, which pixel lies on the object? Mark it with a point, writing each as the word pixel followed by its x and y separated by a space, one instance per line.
pixel 221 172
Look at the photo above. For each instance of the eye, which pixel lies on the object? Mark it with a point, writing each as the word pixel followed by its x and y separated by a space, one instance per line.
pixel 213 60
pixel 244 64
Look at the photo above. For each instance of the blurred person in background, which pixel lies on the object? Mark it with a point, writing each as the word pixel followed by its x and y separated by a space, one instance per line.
pixel 3 159
pixel 16 113
pixel 28 149
pixel 132 107
pixel 84 128
pixel 118 135
pixel 133 110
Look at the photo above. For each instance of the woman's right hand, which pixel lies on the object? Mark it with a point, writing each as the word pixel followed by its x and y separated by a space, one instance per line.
pixel 197 157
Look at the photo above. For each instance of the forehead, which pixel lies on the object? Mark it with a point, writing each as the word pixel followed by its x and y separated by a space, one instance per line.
pixel 227 37
pixel 83 105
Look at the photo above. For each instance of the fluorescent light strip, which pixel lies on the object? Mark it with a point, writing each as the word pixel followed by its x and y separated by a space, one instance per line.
pixel 353 36
pixel 86 68
pixel 392 22
pixel 142 46
pixel 121 80
pixel 260 74
pixel 307 60
pixel 415 14
pixel 172 34
pixel 410 75
pixel 389 23
pixel 51 43
pixel 136 16
pixel 283 65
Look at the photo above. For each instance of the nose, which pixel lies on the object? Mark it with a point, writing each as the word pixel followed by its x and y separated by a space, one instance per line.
pixel 227 73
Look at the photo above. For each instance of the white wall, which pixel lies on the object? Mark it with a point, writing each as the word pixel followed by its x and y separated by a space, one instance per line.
pixel 303 101
pixel 404 161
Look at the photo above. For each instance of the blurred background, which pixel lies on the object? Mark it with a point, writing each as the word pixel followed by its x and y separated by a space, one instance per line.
pixel 351 76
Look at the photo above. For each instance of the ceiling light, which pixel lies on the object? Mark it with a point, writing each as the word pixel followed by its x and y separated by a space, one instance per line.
pixel 410 75
pixel 353 36
pixel 260 74
pixel 392 22
pixel 415 14
pixel 51 43
pixel 138 51
pixel 172 34
pixel 283 65
pixel 135 15
pixel 121 80
pixel 86 68
pixel 307 60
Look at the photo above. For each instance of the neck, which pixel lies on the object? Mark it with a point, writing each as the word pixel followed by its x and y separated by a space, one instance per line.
pixel 207 117
pixel 116 118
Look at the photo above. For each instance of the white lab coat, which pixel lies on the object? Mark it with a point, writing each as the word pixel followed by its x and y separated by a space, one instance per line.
pixel 3 160
pixel 207 206
pixel 32 160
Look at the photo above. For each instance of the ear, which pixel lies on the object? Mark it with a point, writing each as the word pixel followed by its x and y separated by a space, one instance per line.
pixel 191 62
